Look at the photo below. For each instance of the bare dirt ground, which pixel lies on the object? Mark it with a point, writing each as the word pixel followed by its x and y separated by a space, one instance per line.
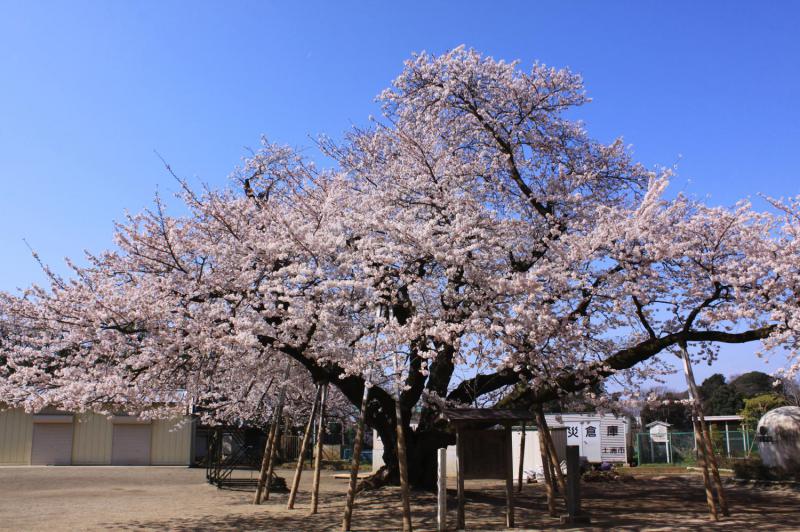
pixel 163 498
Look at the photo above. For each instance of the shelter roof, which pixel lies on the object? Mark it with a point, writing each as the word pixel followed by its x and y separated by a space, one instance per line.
pixel 493 415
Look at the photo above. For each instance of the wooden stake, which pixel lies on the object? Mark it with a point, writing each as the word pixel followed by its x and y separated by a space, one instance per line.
pixel 262 475
pixel 351 490
pixel 303 446
pixel 509 452
pixel 441 491
pixel 521 469
pixel 276 436
pixel 267 466
pixel 721 498
pixel 547 469
pixel 701 449
pixel 318 458
pixel 460 519
pixel 541 421
pixel 705 436
pixel 402 465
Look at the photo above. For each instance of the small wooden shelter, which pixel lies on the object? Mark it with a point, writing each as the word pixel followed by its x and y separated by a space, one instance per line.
pixel 484 453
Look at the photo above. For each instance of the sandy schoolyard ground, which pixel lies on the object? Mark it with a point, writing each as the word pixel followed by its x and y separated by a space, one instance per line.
pixel 167 498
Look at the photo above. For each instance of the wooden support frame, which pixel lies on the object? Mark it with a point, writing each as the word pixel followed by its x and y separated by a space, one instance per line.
pixel 441 490
pixel 318 458
pixel 460 519
pixel 355 462
pixel 267 462
pixel 303 446
pixel 703 438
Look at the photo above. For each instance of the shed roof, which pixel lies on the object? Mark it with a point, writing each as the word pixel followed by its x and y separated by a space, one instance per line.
pixel 658 423
pixel 494 415
pixel 732 417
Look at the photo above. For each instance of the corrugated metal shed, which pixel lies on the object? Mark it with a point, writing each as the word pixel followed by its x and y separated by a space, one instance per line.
pixel 91 439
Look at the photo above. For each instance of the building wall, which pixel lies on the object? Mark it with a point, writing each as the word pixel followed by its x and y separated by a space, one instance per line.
pixel 91 444
pixel 93 439
pixel 171 443
pixel 16 436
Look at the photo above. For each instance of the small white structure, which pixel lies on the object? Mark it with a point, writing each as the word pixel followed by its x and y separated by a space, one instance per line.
pixel 532 460
pixel 659 433
pixel 600 437
pixel 778 436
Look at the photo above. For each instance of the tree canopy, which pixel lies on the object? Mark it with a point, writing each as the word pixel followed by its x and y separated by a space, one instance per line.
pixel 472 239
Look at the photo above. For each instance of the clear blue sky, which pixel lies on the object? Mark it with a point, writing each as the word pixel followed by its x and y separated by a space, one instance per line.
pixel 89 90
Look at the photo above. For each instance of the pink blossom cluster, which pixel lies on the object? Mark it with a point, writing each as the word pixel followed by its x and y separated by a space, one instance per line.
pixel 472 239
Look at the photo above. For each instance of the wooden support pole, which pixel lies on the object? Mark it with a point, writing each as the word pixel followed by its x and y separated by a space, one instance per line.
pixel 547 469
pixel 721 498
pixel 267 462
pixel 273 448
pixel 318 457
pixel 521 469
pixel 509 455
pixel 541 422
pixel 460 520
pixel 262 475
pixel 705 436
pixel 441 491
pixel 303 446
pixel 402 465
pixel 355 462
pixel 701 449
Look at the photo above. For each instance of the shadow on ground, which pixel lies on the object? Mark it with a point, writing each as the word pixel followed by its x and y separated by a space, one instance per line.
pixel 643 504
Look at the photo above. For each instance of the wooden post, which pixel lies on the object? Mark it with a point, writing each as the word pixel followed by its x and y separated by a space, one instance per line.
pixel 460 521
pixel 267 466
pixel 541 422
pixel 272 450
pixel 712 459
pixel 354 463
pixel 509 455
pixel 318 458
pixel 262 475
pixel 402 464
pixel 701 448
pixel 547 469
pixel 521 469
pixel 574 513
pixel 441 492
pixel 303 446
pixel 705 440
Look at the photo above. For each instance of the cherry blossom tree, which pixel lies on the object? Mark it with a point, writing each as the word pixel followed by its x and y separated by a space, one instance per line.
pixel 472 243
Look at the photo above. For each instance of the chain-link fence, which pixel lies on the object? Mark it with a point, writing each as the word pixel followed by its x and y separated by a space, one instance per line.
pixel 679 447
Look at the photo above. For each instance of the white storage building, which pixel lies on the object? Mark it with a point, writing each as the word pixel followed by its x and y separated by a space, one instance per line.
pixel 601 437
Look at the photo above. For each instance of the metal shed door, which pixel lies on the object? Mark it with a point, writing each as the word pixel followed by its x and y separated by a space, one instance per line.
pixel 52 444
pixel 131 445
